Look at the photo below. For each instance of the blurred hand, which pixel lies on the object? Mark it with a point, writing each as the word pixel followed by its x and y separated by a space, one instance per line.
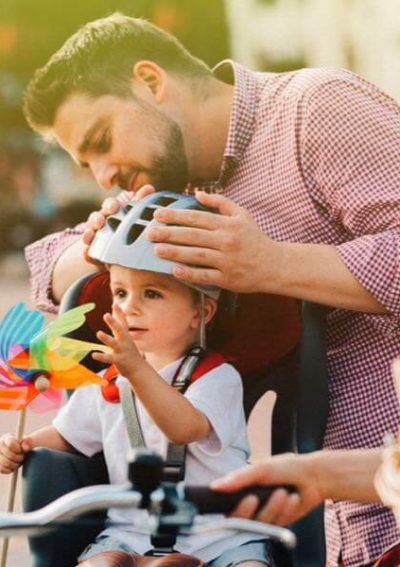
pixel 110 206
pixel 13 452
pixel 282 508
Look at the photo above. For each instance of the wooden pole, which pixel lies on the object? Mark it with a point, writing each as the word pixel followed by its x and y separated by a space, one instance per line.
pixel 13 487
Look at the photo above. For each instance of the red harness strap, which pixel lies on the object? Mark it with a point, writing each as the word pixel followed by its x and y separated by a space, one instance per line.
pixel 110 391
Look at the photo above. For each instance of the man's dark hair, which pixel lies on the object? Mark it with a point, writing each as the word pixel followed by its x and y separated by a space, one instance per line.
pixel 98 60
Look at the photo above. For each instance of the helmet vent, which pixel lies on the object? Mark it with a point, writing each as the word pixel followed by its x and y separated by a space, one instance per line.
pixel 147 214
pixel 127 208
pixel 165 201
pixel 113 223
pixel 134 233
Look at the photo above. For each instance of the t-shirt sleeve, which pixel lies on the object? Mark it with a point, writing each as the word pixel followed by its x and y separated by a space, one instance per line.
pixel 219 396
pixel 79 421
pixel 350 144
pixel 41 257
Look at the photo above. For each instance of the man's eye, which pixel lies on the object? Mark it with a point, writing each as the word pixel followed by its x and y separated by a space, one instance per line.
pixel 152 294
pixel 104 142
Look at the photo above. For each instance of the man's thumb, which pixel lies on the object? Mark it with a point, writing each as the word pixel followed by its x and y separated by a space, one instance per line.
pixel 26 444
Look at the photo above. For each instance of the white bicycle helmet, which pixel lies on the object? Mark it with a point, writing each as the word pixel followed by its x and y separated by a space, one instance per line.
pixel 123 240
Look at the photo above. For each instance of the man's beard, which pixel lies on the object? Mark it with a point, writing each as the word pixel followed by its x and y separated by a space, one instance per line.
pixel 170 171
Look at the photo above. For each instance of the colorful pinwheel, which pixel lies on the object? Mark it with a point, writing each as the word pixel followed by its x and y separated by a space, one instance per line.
pixel 36 362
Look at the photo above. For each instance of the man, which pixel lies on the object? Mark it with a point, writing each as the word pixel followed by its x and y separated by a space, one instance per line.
pixel 312 155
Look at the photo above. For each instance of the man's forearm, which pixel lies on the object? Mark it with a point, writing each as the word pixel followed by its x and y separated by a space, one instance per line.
pixel 346 475
pixel 69 267
pixel 315 272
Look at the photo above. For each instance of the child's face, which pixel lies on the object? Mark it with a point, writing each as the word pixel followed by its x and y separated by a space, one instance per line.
pixel 162 314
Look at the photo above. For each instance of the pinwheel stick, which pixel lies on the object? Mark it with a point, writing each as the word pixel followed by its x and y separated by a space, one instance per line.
pixel 42 384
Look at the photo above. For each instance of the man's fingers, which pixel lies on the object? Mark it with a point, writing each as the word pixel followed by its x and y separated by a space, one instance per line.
pixel 247 507
pixel 182 235
pixel 290 510
pixel 214 201
pixel 96 221
pixel 125 197
pixel 273 508
pixel 187 217
pixel 191 255
pixel 144 192
pixel 247 476
pixel 88 236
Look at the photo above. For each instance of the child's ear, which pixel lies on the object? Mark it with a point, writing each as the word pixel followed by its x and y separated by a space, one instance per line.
pixel 210 308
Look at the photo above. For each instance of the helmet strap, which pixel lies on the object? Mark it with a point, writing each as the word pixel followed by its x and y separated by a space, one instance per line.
pixel 202 322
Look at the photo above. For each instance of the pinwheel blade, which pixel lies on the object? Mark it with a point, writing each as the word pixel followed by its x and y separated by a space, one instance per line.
pixel 41 344
pixel 17 398
pixel 18 327
pixel 71 379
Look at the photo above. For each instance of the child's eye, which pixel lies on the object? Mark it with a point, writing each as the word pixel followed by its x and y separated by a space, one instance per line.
pixel 152 294
pixel 119 293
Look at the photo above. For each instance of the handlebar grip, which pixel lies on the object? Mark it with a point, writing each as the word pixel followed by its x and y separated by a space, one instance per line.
pixel 209 501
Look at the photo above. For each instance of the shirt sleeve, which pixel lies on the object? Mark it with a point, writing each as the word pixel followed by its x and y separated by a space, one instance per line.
pixel 350 148
pixel 219 396
pixel 79 421
pixel 41 257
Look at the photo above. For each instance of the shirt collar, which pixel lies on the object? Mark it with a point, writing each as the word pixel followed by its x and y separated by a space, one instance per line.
pixel 241 126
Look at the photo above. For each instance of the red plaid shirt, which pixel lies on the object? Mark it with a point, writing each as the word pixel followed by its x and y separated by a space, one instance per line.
pixel 314 156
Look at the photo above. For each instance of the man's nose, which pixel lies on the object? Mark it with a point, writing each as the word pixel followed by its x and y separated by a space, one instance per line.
pixel 104 173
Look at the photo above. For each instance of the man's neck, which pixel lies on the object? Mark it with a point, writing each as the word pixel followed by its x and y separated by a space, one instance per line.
pixel 209 127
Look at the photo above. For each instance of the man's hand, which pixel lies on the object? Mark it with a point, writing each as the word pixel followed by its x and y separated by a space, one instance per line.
pixel 282 508
pixel 229 249
pixel 12 452
pixel 124 353
pixel 110 206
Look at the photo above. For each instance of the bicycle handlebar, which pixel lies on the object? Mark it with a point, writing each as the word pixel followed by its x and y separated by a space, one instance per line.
pixel 172 508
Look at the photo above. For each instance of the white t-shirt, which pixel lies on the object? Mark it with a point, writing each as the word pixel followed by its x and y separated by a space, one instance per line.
pixel 91 424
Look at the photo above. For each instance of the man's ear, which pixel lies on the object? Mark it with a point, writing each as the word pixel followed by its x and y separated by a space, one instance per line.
pixel 152 77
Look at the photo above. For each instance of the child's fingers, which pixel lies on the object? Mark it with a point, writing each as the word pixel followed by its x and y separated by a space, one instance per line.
pixel 11 444
pixel 108 340
pixel 120 316
pixel 115 326
pixel 27 444
pixel 7 467
pixel 11 456
pixel 102 357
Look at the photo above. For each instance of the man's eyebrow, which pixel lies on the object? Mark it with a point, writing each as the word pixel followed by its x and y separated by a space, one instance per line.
pixel 87 138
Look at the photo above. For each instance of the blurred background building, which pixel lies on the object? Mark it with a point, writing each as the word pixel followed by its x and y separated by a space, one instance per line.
pixel 41 190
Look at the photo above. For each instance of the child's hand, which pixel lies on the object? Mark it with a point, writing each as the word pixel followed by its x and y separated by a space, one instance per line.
pixel 12 452
pixel 124 353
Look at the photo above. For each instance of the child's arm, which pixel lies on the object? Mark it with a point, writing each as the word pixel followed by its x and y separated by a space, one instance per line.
pixel 177 418
pixel 13 451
